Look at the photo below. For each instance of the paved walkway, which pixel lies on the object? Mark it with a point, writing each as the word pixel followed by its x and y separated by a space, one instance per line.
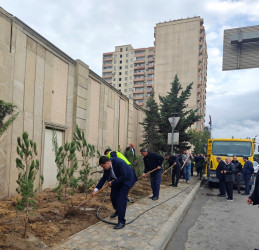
pixel 150 231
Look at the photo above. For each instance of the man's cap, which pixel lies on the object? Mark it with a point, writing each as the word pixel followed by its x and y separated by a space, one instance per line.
pixel 107 151
pixel 245 157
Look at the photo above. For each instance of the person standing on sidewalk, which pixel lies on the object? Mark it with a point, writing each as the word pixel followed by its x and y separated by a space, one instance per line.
pixel 173 160
pixel 248 170
pixel 153 161
pixel 229 173
pixel 121 178
pixel 254 198
pixel 187 159
pixel 220 176
pixel 238 171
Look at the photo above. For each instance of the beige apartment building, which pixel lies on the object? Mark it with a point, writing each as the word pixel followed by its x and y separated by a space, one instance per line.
pixel 181 49
pixel 131 71
pixel 50 89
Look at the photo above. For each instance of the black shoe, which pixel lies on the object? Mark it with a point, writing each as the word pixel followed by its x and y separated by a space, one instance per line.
pixel 174 185
pixel 245 193
pixel 119 226
pixel 239 192
pixel 151 197
pixel 229 199
pixel 114 215
pixel 222 195
pixel 171 185
pixel 155 198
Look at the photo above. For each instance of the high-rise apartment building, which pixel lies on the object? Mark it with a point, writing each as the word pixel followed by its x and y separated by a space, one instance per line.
pixel 181 49
pixel 131 71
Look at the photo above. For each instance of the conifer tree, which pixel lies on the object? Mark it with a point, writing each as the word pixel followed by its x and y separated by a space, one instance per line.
pixel 174 104
pixel 28 168
pixel 153 140
pixel 6 109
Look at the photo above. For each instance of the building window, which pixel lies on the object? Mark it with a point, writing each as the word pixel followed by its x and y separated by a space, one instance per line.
pixel 120 67
pixel 127 55
pixel 119 85
pixel 121 49
pixel 115 67
pixel 127 48
pixel 126 72
pixel 131 72
pixel 107 67
pixel 131 66
pixel 125 90
pixel 126 67
pixel 120 79
pixel 131 60
pixel 114 85
pixel 114 62
pixel 107 62
pixel 120 61
pixel 120 56
pixel 125 84
pixel 120 73
pixel 114 79
pixel 126 78
pixel 130 77
pixel 127 61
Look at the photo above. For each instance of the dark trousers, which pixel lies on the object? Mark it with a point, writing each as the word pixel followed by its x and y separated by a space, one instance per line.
pixel 155 179
pixel 229 189
pixel 119 201
pixel 237 178
pixel 175 175
pixel 247 178
pixel 222 188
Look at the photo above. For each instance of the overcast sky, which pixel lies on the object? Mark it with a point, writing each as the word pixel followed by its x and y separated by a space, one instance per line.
pixel 87 28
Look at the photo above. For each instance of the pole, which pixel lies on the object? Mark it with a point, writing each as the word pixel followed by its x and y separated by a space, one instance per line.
pixel 172 142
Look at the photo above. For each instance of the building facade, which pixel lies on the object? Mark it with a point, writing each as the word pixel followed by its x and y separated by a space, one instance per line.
pixel 181 49
pixel 131 71
pixel 50 89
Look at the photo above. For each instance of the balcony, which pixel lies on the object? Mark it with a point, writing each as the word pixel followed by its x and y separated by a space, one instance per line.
pixel 138 91
pixel 138 85
pixel 200 66
pixel 138 98
pixel 139 73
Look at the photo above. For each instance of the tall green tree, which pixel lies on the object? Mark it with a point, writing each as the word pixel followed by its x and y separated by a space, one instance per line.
pixel 198 139
pixel 174 104
pixel 5 110
pixel 153 139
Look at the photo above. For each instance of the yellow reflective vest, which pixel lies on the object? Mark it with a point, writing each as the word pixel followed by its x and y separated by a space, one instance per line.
pixel 119 155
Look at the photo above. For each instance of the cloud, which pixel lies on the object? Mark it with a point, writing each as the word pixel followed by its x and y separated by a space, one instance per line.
pixel 86 29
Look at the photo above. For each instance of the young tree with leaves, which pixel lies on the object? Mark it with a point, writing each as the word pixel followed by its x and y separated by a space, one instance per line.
pixel 174 104
pixel 198 139
pixel 153 139
pixel 6 109
pixel 28 168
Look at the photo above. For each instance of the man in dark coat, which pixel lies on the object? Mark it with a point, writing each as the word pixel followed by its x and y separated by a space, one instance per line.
pixel 173 160
pixel 151 162
pixel 121 179
pixel 229 173
pixel 248 170
pixel 220 176
pixel 238 171
pixel 254 198
pixel 131 149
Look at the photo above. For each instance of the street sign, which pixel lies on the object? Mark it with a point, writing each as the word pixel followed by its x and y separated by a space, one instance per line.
pixel 176 138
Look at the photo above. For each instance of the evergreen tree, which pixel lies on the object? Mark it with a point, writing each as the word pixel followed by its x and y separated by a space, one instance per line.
pixel 174 104
pixel 6 109
pixel 152 138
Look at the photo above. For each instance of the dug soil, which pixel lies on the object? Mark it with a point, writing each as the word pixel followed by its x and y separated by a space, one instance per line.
pixel 50 223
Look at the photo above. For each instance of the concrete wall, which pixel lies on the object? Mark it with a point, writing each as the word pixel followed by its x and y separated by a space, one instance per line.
pixel 51 89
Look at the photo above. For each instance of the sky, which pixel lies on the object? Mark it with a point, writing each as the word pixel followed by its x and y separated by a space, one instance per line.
pixel 86 29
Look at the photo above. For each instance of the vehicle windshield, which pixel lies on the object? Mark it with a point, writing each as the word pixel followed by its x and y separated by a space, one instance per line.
pixel 231 148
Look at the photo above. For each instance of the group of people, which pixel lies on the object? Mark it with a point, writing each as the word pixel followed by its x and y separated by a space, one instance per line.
pixel 229 172
pixel 119 174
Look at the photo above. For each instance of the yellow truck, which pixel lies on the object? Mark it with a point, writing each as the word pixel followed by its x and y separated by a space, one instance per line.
pixel 227 148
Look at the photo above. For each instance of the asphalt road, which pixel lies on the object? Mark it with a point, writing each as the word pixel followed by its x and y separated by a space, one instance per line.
pixel 217 224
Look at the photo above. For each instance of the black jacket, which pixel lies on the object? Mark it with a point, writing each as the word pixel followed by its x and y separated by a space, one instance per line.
pixel 174 159
pixel 220 168
pixel 124 173
pixel 230 174
pixel 152 161
pixel 238 166
pixel 255 195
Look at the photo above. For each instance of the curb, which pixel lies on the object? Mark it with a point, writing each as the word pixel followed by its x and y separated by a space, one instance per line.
pixel 166 232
